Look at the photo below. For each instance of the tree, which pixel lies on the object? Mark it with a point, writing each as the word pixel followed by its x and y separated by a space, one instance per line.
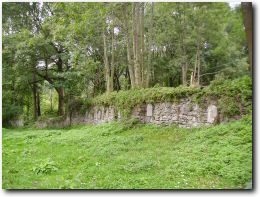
pixel 248 22
pixel 80 50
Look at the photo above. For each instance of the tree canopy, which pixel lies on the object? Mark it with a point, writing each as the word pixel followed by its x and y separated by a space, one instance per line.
pixel 54 53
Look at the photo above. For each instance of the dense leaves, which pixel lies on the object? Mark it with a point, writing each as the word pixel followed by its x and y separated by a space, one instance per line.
pixel 54 53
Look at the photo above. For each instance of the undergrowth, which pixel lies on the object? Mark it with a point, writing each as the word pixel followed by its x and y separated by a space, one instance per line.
pixel 129 156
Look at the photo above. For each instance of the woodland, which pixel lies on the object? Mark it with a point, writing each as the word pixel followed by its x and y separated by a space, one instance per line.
pixel 56 53
pixel 59 58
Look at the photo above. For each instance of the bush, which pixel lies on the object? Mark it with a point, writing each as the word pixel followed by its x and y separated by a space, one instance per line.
pixel 234 96
pixel 79 105
pixel 45 167
pixel 130 123
pixel 10 112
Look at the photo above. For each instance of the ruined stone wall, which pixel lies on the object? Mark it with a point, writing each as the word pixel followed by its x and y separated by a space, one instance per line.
pixel 184 114
pixel 17 123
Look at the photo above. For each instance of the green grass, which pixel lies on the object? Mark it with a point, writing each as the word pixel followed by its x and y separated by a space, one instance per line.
pixel 110 156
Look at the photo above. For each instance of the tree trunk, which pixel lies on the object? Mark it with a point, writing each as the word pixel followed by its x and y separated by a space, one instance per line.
pixel 149 65
pixel 106 62
pixel 117 86
pixel 34 91
pixel 142 48
pixel 61 104
pixel 184 73
pixel 184 66
pixel 136 46
pixel 198 74
pixel 51 100
pixel 112 65
pixel 107 70
pixel 38 104
pixel 35 113
pixel 60 91
pixel 129 52
pixel 195 78
pixel 13 98
pixel 248 22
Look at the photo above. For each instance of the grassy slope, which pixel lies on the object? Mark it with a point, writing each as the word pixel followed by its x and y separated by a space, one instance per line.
pixel 109 156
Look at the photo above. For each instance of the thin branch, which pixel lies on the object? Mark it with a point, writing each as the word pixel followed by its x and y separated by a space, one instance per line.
pixel 211 73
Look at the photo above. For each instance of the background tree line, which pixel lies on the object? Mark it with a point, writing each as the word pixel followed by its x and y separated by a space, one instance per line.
pixel 54 53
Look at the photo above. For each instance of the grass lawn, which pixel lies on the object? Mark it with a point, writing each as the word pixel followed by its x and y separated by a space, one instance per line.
pixel 110 156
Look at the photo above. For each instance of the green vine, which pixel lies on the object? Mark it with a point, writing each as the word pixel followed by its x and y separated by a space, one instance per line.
pixel 234 96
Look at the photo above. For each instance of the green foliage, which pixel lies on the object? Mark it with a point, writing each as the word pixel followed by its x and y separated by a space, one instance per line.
pixel 145 157
pixel 130 123
pixel 79 105
pixel 45 167
pixel 10 112
pixel 76 105
pixel 235 96
pixel 126 100
pixel 68 37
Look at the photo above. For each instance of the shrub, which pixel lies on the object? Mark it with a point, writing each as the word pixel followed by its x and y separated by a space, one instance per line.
pixel 10 112
pixel 234 96
pixel 45 167
pixel 78 105
pixel 130 123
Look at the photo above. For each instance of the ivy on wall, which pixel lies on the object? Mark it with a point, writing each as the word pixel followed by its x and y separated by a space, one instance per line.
pixel 234 97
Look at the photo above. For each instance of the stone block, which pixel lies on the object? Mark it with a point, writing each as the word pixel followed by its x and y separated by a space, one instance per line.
pixel 212 114
pixel 149 110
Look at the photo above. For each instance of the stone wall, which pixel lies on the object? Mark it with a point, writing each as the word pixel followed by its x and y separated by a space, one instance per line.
pixel 17 123
pixel 184 114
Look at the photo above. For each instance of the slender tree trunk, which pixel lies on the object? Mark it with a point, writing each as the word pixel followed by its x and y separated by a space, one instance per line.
pixel 149 65
pixel 184 66
pixel 112 66
pixel 248 22
pixel 134 40
pixel 35 113
pixel 142 48
pixel 34 91
pixel 28 108
pixel 61 105
pixel 195 79
pixel 106 62
pixel 51 99
pixel 13 99
pixel 129 52
pixel 117 86
pixel 109 70
pixel 136 44
pixel 60 91
pixel 38 104
pixel 184 73
pixel 199 62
